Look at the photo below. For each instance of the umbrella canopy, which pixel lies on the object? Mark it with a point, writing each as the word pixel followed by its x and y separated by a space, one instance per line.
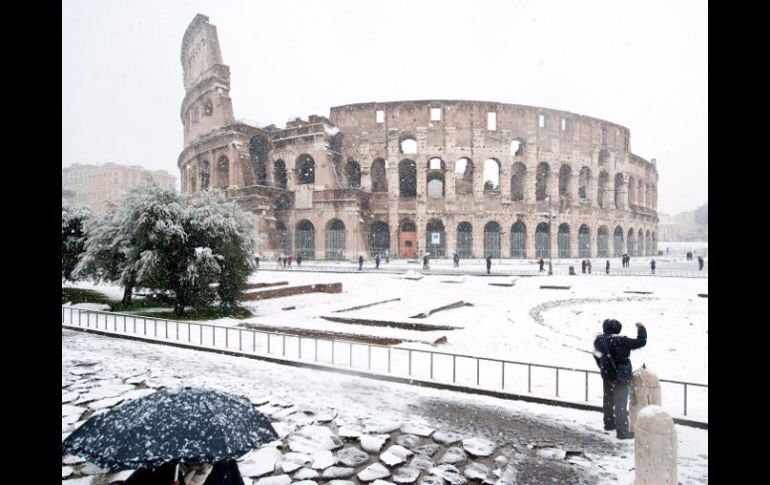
pixel 172 425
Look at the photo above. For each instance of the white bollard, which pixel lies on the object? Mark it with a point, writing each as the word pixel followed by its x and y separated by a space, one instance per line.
pixel 655 453
pixel 645 390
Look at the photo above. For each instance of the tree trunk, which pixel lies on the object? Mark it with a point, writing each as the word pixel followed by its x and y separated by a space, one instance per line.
pixel 127 295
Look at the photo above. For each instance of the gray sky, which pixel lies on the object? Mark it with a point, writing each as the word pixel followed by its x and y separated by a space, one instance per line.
pixel 642 64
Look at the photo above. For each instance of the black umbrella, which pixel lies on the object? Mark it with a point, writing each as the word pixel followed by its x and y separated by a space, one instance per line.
pixel 172 425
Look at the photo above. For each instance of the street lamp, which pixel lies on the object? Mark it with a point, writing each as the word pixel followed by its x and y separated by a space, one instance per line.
pixel 550 239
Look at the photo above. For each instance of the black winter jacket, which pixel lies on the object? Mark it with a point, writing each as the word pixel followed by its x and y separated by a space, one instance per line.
pixel 619 348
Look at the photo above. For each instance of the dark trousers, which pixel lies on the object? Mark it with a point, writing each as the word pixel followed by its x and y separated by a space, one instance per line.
pixel 615 406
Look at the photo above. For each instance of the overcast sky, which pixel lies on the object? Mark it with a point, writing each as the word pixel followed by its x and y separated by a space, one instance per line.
pixel 642 64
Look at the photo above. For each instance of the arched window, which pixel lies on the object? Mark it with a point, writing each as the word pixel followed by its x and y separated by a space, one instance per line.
pixel 518 240
pixel 617 242
pixel 565 177
pixel 583 183
pixel 562 241
pixel 542 240
pixel 603 242
pixel 631 241
pixel 379 239
pixel 435 178
pixel 408 146
pixel 517 181
pixel 259 147
pixel 648 244
pixel 640 243
pixel 305 169
pixel 353 173
pixel 304 241
pixel 619 190
pixel 334 240
pixel 465 240
pixel 584 242
pixel 279 172
pixel 379 177
pixel 492 239
pixel 435 238
pixel 631 191
pixel 541 181
pixel 463 176
pixel 205 171
pixel 603 183
pixel 407 178
pixel 282 237
pixel 223 172
pixel 604 157
pixel 491 175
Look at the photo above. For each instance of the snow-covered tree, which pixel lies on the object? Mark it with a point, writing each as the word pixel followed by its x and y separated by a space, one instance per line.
pixel 73 238
pixel 223 229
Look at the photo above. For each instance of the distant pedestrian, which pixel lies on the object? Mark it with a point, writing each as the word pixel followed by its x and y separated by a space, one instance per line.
pixel 583 266
pixel 700 263
pixel 456 259
pixel 607 267
pixel 541 263
pixel 299 260
pixel 489 263
pixel 280 261
pixel 426 262
pixel 360 262
pixel 290 258
pixel 256 261
pixel 588 265
pixel 387 256
pixel 377 261
pixel 652 266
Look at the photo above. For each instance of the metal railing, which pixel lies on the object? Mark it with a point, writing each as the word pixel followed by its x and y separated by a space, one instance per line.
pixel 563 384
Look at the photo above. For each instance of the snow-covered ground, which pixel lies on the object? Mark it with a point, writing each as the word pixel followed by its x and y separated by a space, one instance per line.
pixel 120 362
pixel 522 323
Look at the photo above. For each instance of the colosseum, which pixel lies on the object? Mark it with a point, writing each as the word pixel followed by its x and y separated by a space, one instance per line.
pixel 408 177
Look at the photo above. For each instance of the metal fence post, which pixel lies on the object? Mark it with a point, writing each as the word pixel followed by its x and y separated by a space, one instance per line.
pixel 557 382
pixel 478 377
pixel 431 365
pixel 586 386
pixel 350 354
pixel 332 351
pixel 685 399
pixel 388 360
pixel 454 368
pixel 529 378
pixel 370 357
pixel 283 351
pixel 410 362
pixel 503 368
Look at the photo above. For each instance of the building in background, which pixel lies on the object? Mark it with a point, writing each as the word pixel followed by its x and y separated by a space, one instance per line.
pixel 414 177
pixel 96 185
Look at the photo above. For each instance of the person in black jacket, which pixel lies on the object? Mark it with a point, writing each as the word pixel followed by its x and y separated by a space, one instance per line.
pixel 611 352
pixel 220 473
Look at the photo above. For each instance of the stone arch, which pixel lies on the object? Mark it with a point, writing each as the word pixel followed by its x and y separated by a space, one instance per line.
pixel 491 175
pixel 519 240
pixel 631 191
pixel 407 239
pixel 435 178
pixel 543 240
pixel 584 183
pixel 640 243
pixel 541 181
pixel 617 242
pixel 279 173
pixel 603 242
pixel 282 237
pixel 379 176
pixel 631 242
pixel 259 146
pixel 565 179
pixel 305 169
pixel 604 178
pixel 464 176
pixel 379 237
pixel 304 239
pixel 492 239
pixel 584 241
pixel 654 242
pixel 619 190
pixel 204 170
pixel 435 238
pixel 465 240
pixel 407 178
pixel 517 181
pixel 334 240
pixel 353 173
pixel 223 172
pixel 562 241
pixel 407 145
